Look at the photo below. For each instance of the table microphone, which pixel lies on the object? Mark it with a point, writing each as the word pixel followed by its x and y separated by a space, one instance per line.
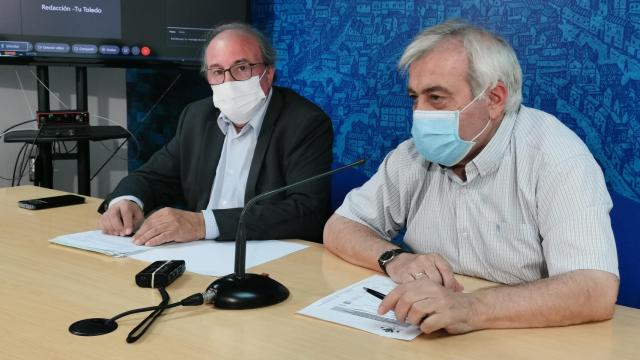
pixel 247 291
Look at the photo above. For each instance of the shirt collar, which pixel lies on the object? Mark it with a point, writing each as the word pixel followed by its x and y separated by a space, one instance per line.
pixel 491 156
pixel 255 123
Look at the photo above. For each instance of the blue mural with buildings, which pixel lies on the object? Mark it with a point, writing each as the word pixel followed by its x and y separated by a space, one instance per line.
pixel 580 61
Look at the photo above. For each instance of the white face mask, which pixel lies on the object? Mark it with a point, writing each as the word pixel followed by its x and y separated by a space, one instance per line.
pixel 239 100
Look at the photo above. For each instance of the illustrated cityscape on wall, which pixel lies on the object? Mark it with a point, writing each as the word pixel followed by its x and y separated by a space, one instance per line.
pixel 580 60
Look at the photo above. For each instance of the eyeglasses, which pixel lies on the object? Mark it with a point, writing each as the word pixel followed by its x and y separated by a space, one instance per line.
pixel 239 72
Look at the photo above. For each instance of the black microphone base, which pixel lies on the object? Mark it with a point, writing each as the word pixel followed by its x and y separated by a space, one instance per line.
pixel 248 292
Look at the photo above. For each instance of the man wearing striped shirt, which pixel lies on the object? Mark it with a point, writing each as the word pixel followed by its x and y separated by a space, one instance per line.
pixel 485 187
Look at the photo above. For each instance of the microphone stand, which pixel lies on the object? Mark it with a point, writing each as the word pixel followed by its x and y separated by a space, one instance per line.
pixel 247 291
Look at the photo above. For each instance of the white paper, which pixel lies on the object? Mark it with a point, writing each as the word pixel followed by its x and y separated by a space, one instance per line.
pixel 354 307
pixel 217 258
pixel 203 257
pixel 96 241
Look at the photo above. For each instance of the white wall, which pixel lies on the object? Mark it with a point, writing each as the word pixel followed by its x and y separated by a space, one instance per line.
pixel 107 98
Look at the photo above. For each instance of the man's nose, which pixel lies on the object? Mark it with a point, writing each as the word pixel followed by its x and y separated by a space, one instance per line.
pixel 227 76
pixel 420 103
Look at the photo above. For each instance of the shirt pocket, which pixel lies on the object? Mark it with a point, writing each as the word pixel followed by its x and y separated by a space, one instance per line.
pixel 512 252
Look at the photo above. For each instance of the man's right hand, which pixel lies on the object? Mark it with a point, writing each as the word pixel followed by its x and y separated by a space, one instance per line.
pixel 121 219
pixel 408 267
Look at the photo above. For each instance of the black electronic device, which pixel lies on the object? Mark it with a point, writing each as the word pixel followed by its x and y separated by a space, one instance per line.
pixel 65 132
pixel 63 124
pixel 131 33
pixel 247 291
pixel 61 117
pixel 50 202
pixel 160 273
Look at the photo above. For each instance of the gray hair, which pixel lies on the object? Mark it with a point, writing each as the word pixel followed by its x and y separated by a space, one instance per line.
pixel 491 58
pixel 266 49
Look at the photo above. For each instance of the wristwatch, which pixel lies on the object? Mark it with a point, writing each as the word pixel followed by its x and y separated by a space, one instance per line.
pixel 387 257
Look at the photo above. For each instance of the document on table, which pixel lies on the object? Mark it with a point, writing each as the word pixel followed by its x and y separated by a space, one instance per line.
pixel 97 241
pixel 217 258
pixel 354 307
pixel 205 257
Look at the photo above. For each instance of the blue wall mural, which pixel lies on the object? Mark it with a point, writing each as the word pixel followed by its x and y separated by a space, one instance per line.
pixel 155 100
pixel 580 60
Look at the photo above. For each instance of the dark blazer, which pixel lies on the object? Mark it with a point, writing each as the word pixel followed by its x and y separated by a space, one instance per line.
pixel 295 142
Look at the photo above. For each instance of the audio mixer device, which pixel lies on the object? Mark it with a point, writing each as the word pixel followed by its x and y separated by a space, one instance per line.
pixel 63 123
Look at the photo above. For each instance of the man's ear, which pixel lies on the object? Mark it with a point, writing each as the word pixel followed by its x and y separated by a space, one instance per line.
pixel 497 100
pixel 271 73
pixel 267 80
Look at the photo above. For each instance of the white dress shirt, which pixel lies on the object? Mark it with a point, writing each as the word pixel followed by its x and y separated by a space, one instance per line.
pixel 233 168
pixel 534 204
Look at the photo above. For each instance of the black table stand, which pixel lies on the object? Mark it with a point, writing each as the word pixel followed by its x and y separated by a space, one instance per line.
pixel 44 162
pixel 44 167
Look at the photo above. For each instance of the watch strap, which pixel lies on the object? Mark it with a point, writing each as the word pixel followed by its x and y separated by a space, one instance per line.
pixel 388 256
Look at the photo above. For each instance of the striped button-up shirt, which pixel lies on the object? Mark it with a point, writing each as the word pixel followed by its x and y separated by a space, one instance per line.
pixel 534 204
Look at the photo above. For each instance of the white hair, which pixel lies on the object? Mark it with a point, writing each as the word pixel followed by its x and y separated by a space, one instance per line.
pixel 491 58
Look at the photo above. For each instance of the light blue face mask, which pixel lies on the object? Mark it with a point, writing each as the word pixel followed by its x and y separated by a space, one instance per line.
pixel 436 135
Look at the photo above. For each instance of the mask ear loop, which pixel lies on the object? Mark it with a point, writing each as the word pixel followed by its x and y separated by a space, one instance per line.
pixel 488 121
pixel 264 72
pixel 480 133
pixel 474 100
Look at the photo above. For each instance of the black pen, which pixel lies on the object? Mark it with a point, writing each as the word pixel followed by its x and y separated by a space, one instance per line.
pixel 377 294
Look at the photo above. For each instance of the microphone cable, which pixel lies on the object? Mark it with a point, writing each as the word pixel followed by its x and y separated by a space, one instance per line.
pixel 191 300
pixel 141 328
pixel 109 158
pixel 27 155
pixel 101 326
pixel 15 164
pixel 6 131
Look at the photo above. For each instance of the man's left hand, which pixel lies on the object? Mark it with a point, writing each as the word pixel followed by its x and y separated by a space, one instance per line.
pixel 168 224
pixel 431 306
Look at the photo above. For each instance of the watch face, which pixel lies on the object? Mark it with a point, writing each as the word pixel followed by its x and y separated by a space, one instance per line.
pixel 387 255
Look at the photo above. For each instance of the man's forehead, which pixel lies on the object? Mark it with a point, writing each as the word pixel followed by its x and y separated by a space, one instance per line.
pixel 235 35
pixel 442 69
pixel 233 46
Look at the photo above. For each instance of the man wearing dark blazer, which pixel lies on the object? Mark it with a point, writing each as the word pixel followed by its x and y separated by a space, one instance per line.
pixel 256 138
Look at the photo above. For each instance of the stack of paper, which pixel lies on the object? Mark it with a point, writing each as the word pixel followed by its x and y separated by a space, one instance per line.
pixel 202 257
pixel 97 241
